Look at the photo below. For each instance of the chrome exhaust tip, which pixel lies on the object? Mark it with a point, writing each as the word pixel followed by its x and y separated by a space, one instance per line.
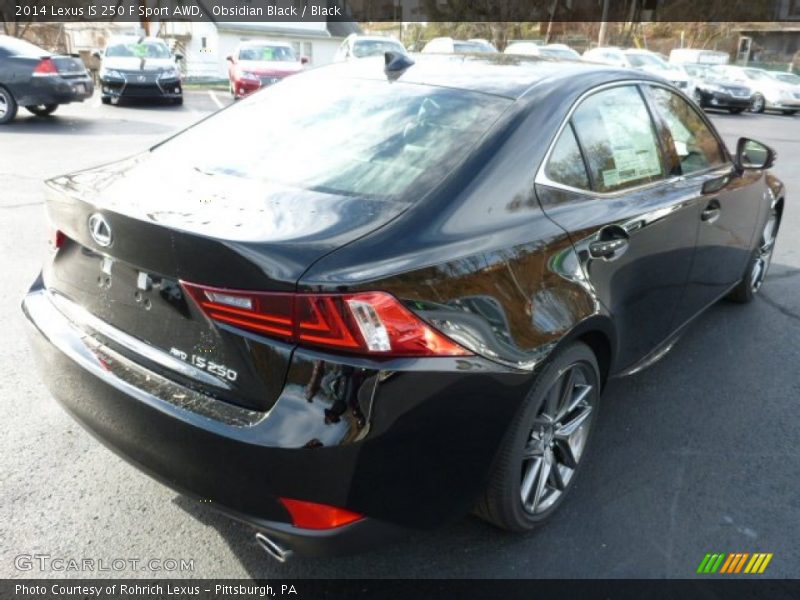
pixel 273 548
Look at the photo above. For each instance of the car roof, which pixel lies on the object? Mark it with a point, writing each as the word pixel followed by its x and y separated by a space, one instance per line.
pixel 507 75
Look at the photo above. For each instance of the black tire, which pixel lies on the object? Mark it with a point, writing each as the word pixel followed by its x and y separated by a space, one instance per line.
pixel 789 112
pixel 758 266
pixel 8 106
pixel 698 98
pixel 502 504
pixel 736 111
pixel 105 99
pixel 41 110
pixel 759 104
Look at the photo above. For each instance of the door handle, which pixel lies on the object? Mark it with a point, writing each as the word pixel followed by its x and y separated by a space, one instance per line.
pixel 711 212
pixel 612 243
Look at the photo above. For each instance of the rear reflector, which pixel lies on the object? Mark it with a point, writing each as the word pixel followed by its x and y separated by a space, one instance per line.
pixel 45 68
pixel 372 323
pixel 310 515
pixel 57 238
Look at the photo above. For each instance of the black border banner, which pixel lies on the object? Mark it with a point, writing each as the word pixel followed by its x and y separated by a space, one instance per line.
pixel 386 589
pixel 763 11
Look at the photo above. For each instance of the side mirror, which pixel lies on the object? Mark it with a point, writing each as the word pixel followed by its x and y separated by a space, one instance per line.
pixel 178 57
pixel 303 60
pixel 751 154
pixel 229 58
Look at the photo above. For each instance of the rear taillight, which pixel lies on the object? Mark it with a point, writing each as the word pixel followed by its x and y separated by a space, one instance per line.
pixel 45 68
pixel 57 238
pixel 374 323
pixel 310 515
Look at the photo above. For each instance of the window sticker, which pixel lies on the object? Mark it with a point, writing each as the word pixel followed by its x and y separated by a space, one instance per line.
pixel 633 149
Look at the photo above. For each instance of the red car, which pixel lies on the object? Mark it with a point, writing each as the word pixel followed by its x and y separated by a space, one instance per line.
pixel 258 64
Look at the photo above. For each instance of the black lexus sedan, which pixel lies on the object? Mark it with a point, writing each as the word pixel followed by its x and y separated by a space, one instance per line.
pixel 135 67
pixel 713 90
pixel 397 301
pixel 38 80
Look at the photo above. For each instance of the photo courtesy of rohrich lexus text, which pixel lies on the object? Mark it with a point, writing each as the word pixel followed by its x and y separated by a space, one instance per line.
pixel 336 299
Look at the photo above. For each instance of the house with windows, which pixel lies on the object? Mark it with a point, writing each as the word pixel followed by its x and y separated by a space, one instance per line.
pixel 206 45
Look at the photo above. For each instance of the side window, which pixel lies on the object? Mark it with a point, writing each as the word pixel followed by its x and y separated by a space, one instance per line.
pixel 565 164
pixel 695 145
pixel 618 137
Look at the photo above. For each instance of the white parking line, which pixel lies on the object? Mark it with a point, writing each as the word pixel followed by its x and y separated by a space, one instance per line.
pixel 216 100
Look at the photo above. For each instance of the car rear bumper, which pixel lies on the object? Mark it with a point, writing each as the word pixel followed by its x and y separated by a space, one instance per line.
pixel 55 90
pixel 413 454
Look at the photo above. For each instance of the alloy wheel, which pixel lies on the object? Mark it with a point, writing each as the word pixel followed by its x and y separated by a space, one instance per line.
pixel 558 438
pixel 3 106
pixel 764 254
pixel 758 104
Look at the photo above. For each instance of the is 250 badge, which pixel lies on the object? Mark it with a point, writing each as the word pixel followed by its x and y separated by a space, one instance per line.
pixel 202 362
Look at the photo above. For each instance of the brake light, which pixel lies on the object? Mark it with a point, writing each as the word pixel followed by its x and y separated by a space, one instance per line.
pixel 310 515
pixel 57 238
pixel 45 68
pixel 373 323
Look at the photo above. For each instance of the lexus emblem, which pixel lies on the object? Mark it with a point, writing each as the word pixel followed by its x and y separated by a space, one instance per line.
pixel 100 230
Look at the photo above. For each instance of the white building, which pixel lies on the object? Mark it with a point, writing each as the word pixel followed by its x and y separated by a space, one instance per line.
pixel 209 44
pixel 206 45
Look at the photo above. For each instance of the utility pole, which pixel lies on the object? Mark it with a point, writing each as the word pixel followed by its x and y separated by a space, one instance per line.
pixel 601 37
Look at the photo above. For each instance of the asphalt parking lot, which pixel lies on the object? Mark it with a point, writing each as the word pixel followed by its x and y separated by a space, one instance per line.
pixel 697 454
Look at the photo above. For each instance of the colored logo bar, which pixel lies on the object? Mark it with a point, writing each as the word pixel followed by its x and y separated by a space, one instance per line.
pixel 734 562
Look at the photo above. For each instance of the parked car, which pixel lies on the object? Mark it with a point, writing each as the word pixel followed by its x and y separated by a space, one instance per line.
pixel 607 55
pixel 548 50
pixel 649 61
pixel 38 80
pixel 785 77
pixel 712 90
pixel 136 67
pixel 257 64
pixel 698 56
pixel 447 45
pixel 769 93
pixel 357 46
pixel 338 342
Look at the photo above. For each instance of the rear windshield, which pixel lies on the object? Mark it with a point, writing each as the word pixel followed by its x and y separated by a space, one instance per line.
pixel 268 53
pixel 18 47
pixel 354 137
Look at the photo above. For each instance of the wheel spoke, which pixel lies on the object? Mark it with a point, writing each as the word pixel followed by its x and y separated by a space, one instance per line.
pixel 566 430
pixel 582 393
pixel 565 454
pixel 565 393
pixel 550 408
pixel 530 478
pixel 556 480
pixel 533 449
pixel 541 483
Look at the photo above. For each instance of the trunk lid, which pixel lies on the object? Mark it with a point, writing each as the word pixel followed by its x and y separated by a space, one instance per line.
pixel 165 224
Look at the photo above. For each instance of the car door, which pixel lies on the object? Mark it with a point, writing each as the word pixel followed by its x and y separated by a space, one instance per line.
pixel 609 184
pixel 725 204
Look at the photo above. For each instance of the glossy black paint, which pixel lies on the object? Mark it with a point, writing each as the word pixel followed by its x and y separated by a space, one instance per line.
pixel 499 262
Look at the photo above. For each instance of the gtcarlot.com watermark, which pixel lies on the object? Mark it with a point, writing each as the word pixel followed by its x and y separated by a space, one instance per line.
pixel 65 564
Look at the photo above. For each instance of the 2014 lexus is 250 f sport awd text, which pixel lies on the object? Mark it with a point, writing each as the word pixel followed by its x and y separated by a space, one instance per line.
pixel 397 299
